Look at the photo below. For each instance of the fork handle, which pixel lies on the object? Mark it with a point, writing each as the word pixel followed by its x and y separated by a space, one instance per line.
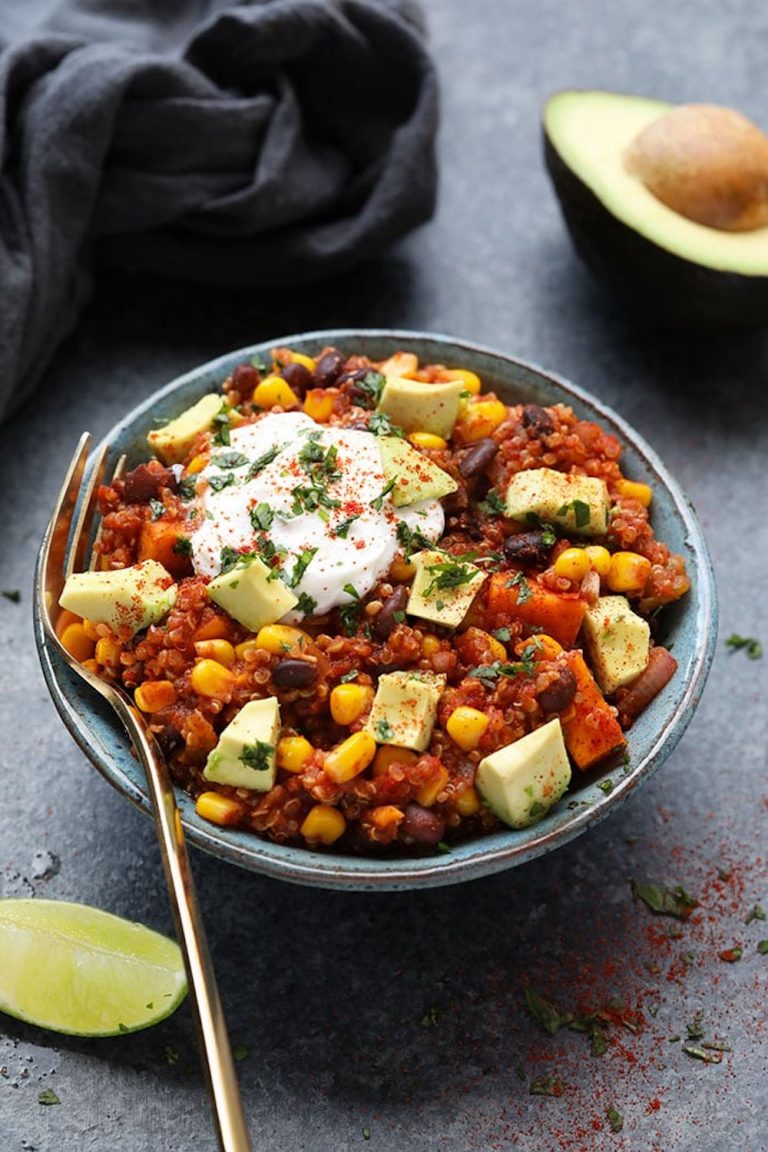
pixel 217 1053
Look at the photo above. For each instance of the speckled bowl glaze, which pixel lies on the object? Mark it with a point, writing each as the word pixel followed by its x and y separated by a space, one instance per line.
pixel 689 629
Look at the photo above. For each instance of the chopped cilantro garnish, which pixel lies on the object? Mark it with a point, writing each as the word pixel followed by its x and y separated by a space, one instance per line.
pixel 757 913
pixel 548 537
pixel 229 460
pixel 411 538
pixel 699 1052
pixel 48 1096
pixel 261 461
pixel 378 501
pixel 240 1051
pixel 217 483
pixel 343 527
pixel 371 385
pixel 605 786
pixel 257 755
pixel 12 594
pixel 221 420
pixel 519 581
pixel 615 1118
pixel 188 488
pixel 502 634
pixel 488 674
pixel 762 947
pixel 582 513
pixel 546 1013
pixel 229 557
pixel 449 573
pixel 666 901
pixel 171 1054
pixel 381 425
pixel 384 730
pixel 261 365
pixel 183 546
pixel 303 562
pixel 306 604
pixel 493 505
pixel 546 1086
pixel 157 508
pixel 748 644
pixel 348 677
pixel 262 516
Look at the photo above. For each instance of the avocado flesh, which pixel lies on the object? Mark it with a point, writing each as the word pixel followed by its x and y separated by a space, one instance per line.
pixel 663 262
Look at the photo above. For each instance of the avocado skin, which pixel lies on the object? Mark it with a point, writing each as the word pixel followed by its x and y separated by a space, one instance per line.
pixel 654 282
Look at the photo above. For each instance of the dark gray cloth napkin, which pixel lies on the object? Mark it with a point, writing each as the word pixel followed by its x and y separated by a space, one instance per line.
pixel 270 142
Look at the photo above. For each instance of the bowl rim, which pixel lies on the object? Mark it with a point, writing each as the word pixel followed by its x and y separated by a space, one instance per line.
pixel 471 859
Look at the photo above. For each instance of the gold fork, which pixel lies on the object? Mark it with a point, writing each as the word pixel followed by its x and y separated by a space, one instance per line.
pixel 64 550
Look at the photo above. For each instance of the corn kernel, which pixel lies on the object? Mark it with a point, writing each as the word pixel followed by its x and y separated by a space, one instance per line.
pixel 217 808
pixel 242 650
pixel 431 789
pixel 64 618
pixel 385 815
pixel 467 802
pixel 350 701
pixel 305 361
pixel 470 380
pixel 401 570
pixel 274 390
pixel 427 440
pixel 480 419
pixel 318 404
pixel 573 564
pixel 351 757
pixel 628 572
pixel 217 628
pixel 208 678
pixel 91 630
pixel 282 640
pixel 77 641
pixel 634 490
pixel 498 651
pixel 547 646
pixel 323 825
pixel 153 695
pixel 599 558
pixel 389 754
pixel 197 463
pixel 466 727
pixel 91 666
pixel 107 652
pixel 430 645
pixel 401 364
pixel 219 650
pixel 294 753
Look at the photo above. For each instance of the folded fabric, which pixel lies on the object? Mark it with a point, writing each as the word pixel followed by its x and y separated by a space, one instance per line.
pixel 227 144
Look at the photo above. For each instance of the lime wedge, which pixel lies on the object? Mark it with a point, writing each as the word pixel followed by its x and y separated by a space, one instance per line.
pixel 82 971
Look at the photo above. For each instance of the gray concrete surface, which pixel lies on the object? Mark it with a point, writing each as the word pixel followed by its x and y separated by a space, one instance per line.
pixel 397 1021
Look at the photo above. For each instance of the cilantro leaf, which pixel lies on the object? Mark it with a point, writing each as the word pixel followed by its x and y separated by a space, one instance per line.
pixel 665 901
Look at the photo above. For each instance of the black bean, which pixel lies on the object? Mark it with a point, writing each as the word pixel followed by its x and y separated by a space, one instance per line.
pixel 145 481
pixel 422 826
pixel 559 695
pixel 538 420
pixel 473 460
pixel 455 502
pixel 384 623
pixel 294 674
pixel 169 738
pixel 527 548
pixel 298 377
pixel 245 378
pixel 328 368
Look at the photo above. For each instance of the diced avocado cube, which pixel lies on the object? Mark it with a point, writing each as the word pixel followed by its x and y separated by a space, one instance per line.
pixel 443 588
pixel 617 640
pixel 173 441
pixel 577 504
pixel 245 754
pixel 419 407
pixel 415 476
pixel 521 781
pixel 252 593
pixel 130 598
pixel 404 709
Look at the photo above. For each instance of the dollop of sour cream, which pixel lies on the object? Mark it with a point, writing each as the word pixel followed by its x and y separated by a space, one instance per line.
pixel 313 495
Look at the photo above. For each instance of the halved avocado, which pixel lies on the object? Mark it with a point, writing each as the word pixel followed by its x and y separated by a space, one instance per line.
pixel 654 257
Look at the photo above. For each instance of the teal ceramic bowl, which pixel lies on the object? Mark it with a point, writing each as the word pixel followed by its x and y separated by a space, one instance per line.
pixel 689 629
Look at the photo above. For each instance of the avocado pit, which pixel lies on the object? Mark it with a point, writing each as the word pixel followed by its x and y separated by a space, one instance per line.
pixel 707 163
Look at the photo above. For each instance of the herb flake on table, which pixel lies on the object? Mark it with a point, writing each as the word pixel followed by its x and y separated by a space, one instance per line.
pixel 762 947
pixel 546 1013
pixel 547 1086
pixel 240 1051
pixel 699 1052
pixel 747 644
pixel 12 594
pixel 47 1097
pixel 665 901
pixel 615 1118
pixel 757 913
pixel 731 955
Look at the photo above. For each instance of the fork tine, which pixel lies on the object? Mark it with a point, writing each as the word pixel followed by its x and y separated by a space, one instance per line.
pixel 54 548
pixel 75 557
pixel 116 474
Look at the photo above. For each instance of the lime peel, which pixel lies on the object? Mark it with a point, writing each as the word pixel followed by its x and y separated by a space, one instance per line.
pixel 78 970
